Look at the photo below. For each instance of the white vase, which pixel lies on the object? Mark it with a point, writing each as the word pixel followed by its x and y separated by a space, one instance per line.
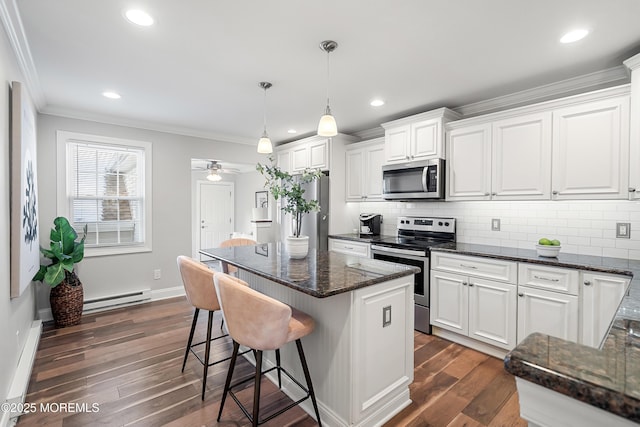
pixel 297 247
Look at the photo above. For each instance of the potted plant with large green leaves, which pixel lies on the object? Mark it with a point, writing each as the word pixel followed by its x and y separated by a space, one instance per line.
pixel 289 188
pixel 65 251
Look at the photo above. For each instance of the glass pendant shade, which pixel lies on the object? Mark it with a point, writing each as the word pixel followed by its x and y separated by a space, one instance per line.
pixel 327 125
pixel 264 145
pixel 214 176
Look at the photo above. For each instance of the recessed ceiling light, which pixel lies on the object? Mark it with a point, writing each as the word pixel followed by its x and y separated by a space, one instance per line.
pixel 139 17
pixel 111 95
pixel 377 103
pixel 574 35
pixel 292 131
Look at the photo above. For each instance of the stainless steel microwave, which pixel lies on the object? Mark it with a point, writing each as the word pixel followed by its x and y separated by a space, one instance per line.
pixel 414 180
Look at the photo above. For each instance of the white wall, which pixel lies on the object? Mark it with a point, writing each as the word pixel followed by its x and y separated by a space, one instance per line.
pixel 172 204
pixel 17 314
pixel 583 227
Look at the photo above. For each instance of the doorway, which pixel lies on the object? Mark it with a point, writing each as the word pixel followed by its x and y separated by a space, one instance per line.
pixel 214 214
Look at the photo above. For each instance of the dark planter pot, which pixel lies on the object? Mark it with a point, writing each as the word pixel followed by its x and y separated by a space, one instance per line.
pixel 67 300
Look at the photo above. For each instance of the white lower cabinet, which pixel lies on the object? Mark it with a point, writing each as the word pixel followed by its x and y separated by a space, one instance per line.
pixel 478 308
pixel 601 296
pixel 349 247
pixel 548 312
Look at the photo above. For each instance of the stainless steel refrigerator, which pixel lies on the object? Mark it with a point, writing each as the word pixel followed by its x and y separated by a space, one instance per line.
pixel 314 224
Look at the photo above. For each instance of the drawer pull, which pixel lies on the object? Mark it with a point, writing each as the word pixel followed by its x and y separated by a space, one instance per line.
pixel 469 266
pixel 587 283
pixel 349 247
pixel 546 278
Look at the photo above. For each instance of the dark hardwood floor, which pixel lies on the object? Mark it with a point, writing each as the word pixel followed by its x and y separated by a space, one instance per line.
pixel 127 362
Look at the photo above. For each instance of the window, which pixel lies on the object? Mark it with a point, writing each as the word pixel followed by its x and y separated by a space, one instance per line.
pixel 105 184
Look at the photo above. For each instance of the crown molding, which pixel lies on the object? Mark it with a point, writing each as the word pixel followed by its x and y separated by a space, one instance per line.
pixel 609 77
pixel 633 62
pixel 12 23
pixel 375 132
pixel 141 124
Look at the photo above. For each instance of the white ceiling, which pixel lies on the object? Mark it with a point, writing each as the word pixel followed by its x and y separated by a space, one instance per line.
pixel 197 69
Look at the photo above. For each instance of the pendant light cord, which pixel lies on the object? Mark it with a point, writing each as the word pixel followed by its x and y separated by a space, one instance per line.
pixel 264 110
pixel 328 52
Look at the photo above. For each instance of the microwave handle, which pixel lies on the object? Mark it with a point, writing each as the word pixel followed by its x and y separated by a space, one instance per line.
pixel 425 171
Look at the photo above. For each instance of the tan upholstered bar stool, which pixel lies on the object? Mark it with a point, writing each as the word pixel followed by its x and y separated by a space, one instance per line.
pixel 262 323
pixel 197 279
pixel 238 241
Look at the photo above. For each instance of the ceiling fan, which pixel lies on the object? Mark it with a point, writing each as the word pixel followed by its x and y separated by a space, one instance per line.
pixel 214 167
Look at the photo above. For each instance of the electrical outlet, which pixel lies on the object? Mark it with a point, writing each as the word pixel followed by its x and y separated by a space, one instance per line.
pixel 623 230
pixel 386 316
pixel 157 274
pixel 495 224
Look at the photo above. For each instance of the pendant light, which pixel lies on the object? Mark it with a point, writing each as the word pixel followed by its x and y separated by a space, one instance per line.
pixel 264 144
pixel 327 125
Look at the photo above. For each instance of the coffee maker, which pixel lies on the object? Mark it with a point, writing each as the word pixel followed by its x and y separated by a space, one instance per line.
pixel 370 224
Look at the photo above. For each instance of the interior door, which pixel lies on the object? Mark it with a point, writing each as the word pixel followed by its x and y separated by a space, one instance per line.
pixel 216 213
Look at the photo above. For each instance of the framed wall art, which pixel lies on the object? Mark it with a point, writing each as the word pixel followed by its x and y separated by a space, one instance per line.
pixel 262 199
pixel 25 245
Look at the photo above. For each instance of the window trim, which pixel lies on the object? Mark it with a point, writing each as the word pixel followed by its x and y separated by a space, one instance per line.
pixel 62 138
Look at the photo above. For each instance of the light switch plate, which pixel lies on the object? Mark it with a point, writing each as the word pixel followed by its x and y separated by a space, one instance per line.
pixel 623 230
pixel 495 224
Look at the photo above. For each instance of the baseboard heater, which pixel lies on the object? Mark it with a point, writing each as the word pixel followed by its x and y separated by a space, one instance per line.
pixel 117 300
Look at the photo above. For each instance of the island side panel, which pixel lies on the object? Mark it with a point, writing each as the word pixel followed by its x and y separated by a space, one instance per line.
pixel 361 370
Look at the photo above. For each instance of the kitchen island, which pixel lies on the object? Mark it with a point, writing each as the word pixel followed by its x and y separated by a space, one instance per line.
pixel 361 353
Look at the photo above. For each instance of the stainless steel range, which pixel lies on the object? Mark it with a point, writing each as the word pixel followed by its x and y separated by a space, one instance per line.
pixel 411 246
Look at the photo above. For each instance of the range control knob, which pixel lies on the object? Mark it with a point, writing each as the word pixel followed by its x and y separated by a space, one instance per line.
pixel 440 223
pixel 446 224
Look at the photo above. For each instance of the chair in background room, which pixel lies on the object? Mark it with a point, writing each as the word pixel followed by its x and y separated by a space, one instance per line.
pixel 262 323
pixel 238 241
pixel 197 279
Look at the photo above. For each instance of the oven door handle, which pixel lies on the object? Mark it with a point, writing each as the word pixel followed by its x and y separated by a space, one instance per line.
pixel 398 251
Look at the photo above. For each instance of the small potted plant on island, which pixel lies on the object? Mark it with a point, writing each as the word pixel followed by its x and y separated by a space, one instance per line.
pixel 283 185
pixel 66 297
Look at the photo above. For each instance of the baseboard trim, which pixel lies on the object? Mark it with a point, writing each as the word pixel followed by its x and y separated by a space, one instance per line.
pixel 22 374
pixel 160 294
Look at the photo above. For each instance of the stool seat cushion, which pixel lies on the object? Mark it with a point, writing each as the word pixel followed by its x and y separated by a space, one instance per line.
pixel 256 320
pixel 300 325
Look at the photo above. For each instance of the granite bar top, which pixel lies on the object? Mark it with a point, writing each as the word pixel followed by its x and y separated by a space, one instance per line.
pixel 608 378
pixel 321 274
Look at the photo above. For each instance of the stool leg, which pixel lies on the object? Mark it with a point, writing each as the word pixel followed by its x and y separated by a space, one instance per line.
pixel 193 328
pixel 256 389
pixel 278 364
pixel 206 353
pixel 307 377
pixel 227 383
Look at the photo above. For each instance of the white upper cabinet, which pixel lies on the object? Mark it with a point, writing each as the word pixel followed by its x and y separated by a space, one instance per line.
pixel 591 149
pixel 417 137
pixel 313 155
pixel 469 163
pixel 571 148
pixel 364 162
pixel 633 64
pixel 521 157
pixel 283 160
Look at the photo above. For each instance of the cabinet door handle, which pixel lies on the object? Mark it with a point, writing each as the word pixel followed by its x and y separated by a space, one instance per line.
pixel 487 194
pixel 494 194
pixel 464 283
pixel 546 278
pixel 632 190
pixel 470 284
pixel 587 283
pixel 520 294
pixel 554 192
pixel 468 266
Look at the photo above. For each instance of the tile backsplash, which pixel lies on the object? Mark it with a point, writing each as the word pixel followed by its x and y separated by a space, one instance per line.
pixel 583 227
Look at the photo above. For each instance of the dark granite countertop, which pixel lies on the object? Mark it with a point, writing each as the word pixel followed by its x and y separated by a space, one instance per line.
pixel 608 378
pixel 321 274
